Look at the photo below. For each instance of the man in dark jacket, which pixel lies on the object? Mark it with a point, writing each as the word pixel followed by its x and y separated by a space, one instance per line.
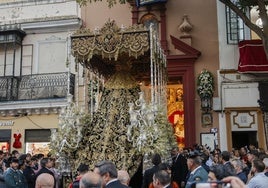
pixel 82 169
pixel 29 174
pixel 148 174
pixel 107 170
pixel 161 179
pixel 13 178
pixel 179 167
pixel 2 164
pixel 46 165
pixel 227 165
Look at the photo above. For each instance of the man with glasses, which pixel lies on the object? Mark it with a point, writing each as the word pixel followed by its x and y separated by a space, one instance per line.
pixel 107 170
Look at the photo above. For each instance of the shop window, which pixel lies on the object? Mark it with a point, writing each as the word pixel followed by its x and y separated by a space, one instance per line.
pixel 37 141
pixel 5 137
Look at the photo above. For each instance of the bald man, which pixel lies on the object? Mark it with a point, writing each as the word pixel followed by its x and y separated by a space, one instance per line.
pixel 91 179
pixel 123 177
pixel 44 180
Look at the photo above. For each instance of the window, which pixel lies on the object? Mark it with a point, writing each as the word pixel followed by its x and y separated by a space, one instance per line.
pixel 149 19
pixel 27 59
pixel 37 141
pixel 5 138
pixel 235 27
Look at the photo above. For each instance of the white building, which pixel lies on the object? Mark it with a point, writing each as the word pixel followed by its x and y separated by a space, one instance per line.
pixel 35 81
pixel 240 116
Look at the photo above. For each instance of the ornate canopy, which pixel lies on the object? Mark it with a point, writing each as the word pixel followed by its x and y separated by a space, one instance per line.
pixel 124 56
pixel 103 50
pixel 100 50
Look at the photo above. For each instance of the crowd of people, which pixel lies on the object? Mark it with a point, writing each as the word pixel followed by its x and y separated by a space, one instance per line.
pixel 38 171
pixel 27 171
pixel 199 166
pixel 195 167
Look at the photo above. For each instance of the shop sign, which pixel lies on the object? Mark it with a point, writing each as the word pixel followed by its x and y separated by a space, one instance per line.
pixel 6 123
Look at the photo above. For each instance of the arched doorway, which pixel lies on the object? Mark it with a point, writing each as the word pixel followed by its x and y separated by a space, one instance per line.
pixel 181 67
pixel 175 110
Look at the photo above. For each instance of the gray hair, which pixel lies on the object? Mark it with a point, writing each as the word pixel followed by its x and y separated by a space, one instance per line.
pixel 107 167
pixel 238 163
pixel 163 177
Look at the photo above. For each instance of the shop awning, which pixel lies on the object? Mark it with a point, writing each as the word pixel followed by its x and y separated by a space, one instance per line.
pixel 252 57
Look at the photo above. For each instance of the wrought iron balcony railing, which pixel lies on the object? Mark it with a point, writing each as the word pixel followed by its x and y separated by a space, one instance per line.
pixel 36 86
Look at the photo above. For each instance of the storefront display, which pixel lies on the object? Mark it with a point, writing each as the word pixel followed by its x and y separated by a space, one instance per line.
pixel 4 146
pixel 5 139
pixel 37 141
pixel 37 147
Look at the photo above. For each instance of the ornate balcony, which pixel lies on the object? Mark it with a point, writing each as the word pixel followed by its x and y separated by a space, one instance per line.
pixel 35 93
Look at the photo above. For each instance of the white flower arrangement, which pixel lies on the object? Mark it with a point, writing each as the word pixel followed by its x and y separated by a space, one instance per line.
pixel 205 84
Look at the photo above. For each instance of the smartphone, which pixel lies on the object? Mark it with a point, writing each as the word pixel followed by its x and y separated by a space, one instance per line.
pixel 217 184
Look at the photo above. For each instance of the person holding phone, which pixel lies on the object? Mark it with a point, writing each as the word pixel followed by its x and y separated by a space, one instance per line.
pixel 234 181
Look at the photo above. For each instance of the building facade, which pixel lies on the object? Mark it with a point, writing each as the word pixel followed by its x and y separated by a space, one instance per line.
pixel 35 46
pixel 35 78
pixel 190 41
pixel 241 103
pixel 194 41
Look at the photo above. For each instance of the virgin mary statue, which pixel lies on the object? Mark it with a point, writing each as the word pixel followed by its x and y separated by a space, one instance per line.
pixel 105 137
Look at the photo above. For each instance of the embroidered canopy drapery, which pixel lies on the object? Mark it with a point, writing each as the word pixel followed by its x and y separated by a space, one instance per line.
pixel 124 57
pixel 102 48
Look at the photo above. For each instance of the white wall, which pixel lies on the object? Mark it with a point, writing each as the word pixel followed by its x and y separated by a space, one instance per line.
pixel 240 95
pixel 19 12
pixel 235 90
pixel 228 54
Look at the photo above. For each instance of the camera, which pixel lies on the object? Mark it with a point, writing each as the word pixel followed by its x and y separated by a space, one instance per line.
pixel 217 184
pixel 214 130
